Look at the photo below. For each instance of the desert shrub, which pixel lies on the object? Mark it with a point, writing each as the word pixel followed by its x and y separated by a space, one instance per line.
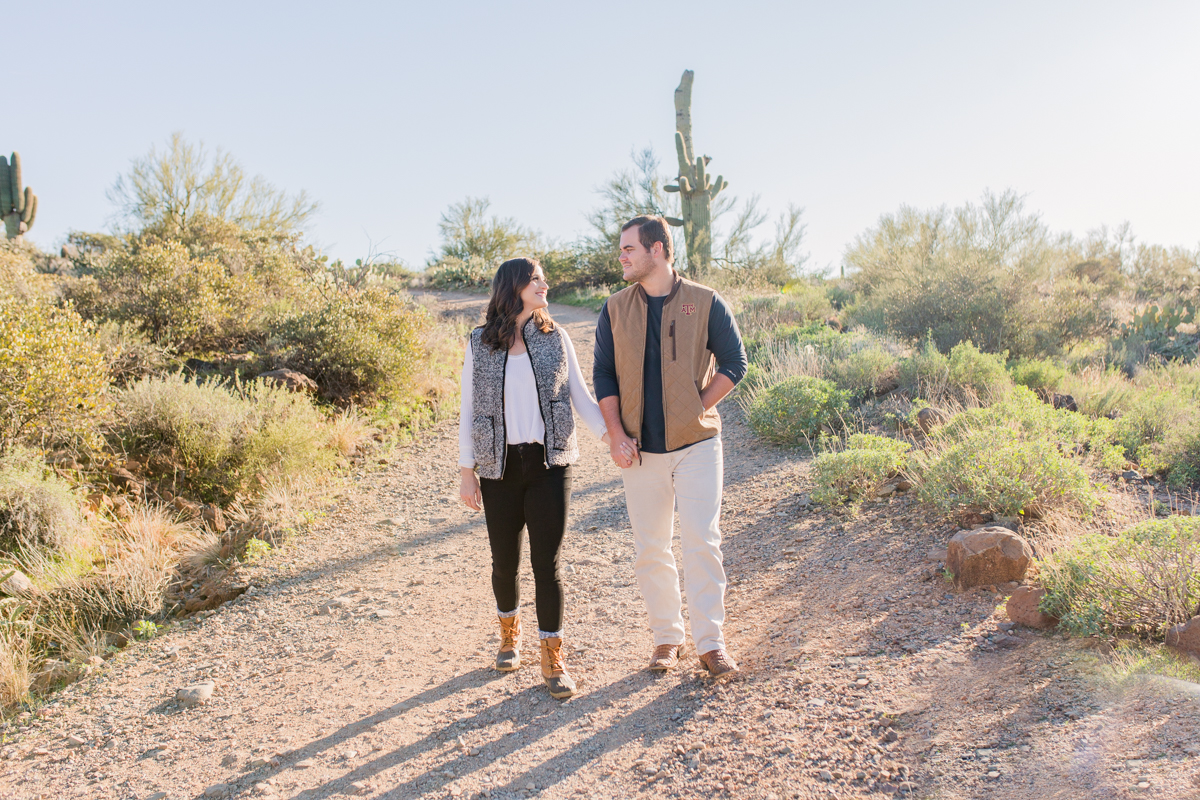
pixel 966 375
pixel 459 273
pixel 859 470
pixel 1144 579
pixel 982 273
pixel 53 379
pixel 225 438
pixel 1099 392
pixel 797 410
pixel 974 374
pixel 129 353
pixel 176 298
pixel 797 304
pixel 1037 373
pixel 869 371
pixel 360 346
pixel 19 275
pixel 37 508
pixel 995 469
pixel 1022 412
pixel 1160 429
pixel 925 373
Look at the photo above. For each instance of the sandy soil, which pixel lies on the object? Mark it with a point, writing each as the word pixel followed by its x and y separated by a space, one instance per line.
pixel 359 664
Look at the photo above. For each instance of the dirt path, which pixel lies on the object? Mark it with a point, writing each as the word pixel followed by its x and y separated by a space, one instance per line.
pixel 359 664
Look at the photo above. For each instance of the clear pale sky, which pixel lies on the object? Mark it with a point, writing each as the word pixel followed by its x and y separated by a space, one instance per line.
pixel 388 112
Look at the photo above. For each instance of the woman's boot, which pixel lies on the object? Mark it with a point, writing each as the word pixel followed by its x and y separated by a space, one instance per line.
pixel 554 669
pixel 509 657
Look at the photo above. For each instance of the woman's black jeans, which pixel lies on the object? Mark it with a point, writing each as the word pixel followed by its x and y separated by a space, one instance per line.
pixel 532 496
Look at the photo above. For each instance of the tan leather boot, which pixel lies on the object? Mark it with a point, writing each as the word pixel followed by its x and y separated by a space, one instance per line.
pixel 509 657
pixel 554 669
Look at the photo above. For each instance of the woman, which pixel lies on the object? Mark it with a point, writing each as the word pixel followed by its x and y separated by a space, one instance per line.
pixel 516 430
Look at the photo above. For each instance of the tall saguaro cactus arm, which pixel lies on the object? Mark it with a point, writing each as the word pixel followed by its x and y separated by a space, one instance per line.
pixel 696 190
pixel 18 206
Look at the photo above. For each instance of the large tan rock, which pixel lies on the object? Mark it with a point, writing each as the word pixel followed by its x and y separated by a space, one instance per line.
pixel 290 379
pixel 15 583
pixel 1186 636
pixel 1022 608
pixel 988 556
pixel 929 418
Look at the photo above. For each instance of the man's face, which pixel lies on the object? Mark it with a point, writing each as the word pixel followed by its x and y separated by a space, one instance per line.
pixel 636 261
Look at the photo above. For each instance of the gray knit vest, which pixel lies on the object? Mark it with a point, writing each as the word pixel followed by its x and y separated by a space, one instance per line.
pixel 548 358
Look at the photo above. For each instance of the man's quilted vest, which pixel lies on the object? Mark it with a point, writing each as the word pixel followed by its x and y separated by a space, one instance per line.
pixel 548 358
pixel 687 365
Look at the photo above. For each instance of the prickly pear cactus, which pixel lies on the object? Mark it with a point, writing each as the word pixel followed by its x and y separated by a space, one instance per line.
pixel 18 206
pixel 696 188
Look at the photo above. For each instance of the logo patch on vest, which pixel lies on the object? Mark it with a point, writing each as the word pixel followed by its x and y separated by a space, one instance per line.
pixel 689 309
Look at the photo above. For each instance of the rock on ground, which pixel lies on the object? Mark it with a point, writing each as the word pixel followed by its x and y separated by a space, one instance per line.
pixel 987 556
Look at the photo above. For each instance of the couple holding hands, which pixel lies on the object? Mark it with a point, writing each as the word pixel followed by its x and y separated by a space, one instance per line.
pixel 667 351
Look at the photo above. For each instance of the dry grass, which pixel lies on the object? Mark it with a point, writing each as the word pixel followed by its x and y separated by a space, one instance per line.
pixel 16 662
pixel 202 554
pixel 347 432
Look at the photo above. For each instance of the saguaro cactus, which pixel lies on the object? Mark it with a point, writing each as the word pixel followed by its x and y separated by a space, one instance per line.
pixel 18 206
pixel 696 190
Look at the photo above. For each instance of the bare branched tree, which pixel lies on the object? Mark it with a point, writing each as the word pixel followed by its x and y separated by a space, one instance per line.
pixel 469 232
pixel 170 188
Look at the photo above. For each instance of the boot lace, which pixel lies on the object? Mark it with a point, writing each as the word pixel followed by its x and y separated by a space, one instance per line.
pixel 557 664
pixel 508 635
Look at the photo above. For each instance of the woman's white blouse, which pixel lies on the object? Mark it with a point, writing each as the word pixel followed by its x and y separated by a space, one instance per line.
pixel 522 415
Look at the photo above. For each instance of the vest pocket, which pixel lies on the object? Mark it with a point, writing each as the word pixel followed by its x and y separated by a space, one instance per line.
pixel 562 422
pixel 483 439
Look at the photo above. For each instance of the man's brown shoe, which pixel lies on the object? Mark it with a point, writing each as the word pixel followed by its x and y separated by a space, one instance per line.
pixel 509 657
pixel 666 656
pixel 718 663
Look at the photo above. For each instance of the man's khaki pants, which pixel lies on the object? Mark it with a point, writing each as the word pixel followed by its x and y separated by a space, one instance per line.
pixel 693 476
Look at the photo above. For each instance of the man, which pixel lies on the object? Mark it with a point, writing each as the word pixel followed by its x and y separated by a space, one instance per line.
pixel 667 351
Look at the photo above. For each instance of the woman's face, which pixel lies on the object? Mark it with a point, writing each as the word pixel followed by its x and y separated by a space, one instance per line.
pixel 533 296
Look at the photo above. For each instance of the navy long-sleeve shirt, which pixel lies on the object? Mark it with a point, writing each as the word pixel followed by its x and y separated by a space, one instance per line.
pixel 724 342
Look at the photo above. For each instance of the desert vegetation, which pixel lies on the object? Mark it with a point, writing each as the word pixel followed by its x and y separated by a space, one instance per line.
pixel 179 395
pixel 1002 372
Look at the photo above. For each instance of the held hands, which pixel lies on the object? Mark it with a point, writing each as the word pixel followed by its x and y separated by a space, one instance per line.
pixel 469 489
pixel 624 451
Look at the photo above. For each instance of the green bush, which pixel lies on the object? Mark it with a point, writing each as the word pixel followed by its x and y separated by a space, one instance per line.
pixel 129 353
pixel 858 471
pixel 798 409
pixel 53 379
pixel 974 374
pixel 223 439
pixel 996 470
pixel 1161 428
pixel 925 373
pixel 472 272
pixel 1145 579
pixel 37 508
pixel 175 298
pixel 1024 413
pixel 798 304
pixel 865 372
pixel 360 346
pixel 1037 373
pixel 989 273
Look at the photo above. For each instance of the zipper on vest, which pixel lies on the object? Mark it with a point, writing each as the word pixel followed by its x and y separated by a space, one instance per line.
pixel 537 388
pixel 503 424
pixel 672 335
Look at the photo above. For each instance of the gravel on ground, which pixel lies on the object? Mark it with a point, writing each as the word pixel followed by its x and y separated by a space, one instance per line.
pixel 359 664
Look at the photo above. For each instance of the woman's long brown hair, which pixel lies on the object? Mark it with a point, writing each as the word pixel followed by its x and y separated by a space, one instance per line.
pixel 500 325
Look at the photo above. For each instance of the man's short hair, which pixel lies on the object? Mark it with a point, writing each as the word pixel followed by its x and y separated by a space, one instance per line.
pixel 653 228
